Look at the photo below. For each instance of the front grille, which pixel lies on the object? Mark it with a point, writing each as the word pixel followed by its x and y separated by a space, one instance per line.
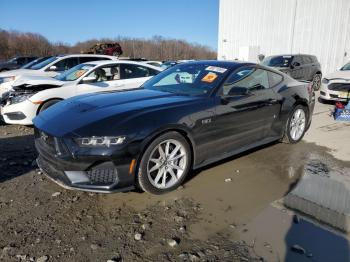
pixel 50 143
pixel 102 176
pixel 339 87
pixel 333 96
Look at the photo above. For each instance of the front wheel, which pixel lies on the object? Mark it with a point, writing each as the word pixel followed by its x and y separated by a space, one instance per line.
pixel 47 104
pixel 296 125
pixel 165 164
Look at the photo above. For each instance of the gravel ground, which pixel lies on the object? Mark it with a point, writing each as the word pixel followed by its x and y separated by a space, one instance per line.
pixel 40 221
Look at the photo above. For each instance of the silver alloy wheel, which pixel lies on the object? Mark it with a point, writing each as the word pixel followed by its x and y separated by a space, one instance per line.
pixel 297 124
pixel 316 82
pixel 167 164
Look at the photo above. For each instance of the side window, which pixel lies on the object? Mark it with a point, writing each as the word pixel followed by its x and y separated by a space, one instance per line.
pixel 21 61
pixel 246 78
pixel 129 71
pixel 107 73
pixel 66 64
pixel 274 78
pixel 297 59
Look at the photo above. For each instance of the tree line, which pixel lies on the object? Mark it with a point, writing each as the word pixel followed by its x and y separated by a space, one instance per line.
pixel 13 43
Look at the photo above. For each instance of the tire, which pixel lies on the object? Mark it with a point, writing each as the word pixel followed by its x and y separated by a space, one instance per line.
pixel 293 134
pixel 151 176
pixel 316 82
pixel 47 104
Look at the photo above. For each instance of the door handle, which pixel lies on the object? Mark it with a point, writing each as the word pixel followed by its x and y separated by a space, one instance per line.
pixel 272 101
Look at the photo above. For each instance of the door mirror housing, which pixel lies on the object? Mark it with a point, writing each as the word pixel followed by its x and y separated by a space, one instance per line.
pixel 53 68
pixel 295 64
pixel 88 79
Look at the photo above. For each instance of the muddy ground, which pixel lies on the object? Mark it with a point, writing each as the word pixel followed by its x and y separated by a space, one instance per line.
pixel 231 211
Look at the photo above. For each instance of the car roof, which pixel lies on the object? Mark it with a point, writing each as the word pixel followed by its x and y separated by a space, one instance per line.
pixel 87 55
pixel 220 63
pixel 111 62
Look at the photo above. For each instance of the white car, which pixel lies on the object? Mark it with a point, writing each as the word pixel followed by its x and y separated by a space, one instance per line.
pixel 154 63
pixel 52 66
pixel 336 86
pixel 33 94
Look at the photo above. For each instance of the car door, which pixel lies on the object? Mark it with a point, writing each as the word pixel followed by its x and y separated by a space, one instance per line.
pixel 246 108
pixel 134 75
pixel 104 78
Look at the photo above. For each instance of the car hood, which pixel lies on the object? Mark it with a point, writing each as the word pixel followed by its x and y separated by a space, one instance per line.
pixel 30 80
pixel 340 75
pixel 20 72
pixel 67 117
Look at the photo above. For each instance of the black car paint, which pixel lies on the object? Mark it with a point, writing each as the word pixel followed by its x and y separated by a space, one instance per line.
pixel 215 127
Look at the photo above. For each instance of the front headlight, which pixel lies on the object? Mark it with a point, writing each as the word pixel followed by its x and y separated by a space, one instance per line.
pixel 96 141
pixel 7 79
pixel 19 98
pixel 325 81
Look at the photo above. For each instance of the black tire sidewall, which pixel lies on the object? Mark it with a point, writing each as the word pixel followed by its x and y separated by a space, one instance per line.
pixel 142 176
pixel 287 132
pixel 48 104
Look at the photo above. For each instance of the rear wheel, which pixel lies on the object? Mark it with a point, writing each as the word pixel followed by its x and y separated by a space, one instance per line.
pixel 296 125
pixel 316 82
pixel 165 164
pixel 47 104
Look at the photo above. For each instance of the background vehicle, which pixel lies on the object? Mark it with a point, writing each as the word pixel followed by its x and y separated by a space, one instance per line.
pixel 186 117
pixel 34 62
pixel 154 63
pixel 167 64
pixel 52 66
pixel 15 63
pixel 34 94
pixel 300 67
pixel 336 86
pixel 112 49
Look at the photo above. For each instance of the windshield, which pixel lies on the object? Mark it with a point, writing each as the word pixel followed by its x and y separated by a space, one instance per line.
pixel 188 79
pixel 277 61
pixel 34 62
pixel 43 63
pixel 346 67
pixel 75 72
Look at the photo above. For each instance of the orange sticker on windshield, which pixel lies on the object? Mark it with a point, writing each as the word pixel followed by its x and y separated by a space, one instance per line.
pixel 79 73
pixel 210 77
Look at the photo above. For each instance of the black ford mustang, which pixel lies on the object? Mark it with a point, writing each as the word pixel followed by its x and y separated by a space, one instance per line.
pixel 186 117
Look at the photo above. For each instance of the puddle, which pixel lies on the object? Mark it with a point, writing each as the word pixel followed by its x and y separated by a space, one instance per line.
pixel 254 180
pixel 323 192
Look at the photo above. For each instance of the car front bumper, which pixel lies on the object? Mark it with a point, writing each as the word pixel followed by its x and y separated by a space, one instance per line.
pixel 102 174
pixel 331 95
pixel 20 114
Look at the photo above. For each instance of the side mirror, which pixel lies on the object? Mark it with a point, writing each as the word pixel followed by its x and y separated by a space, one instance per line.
pixel 53 68
pixel 295 64
pixel 88 79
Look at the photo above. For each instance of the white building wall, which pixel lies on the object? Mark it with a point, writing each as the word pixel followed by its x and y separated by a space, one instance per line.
pixel 318 27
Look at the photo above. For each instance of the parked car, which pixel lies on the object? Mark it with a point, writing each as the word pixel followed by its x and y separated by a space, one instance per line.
pixel 300 67
pixel 110 48
pixel 34 94
pixel 153 136
pixel 52 66
pixel 154 63
pixel 167 64
pixel 34 62
pixel 336 86
pixel 16 63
